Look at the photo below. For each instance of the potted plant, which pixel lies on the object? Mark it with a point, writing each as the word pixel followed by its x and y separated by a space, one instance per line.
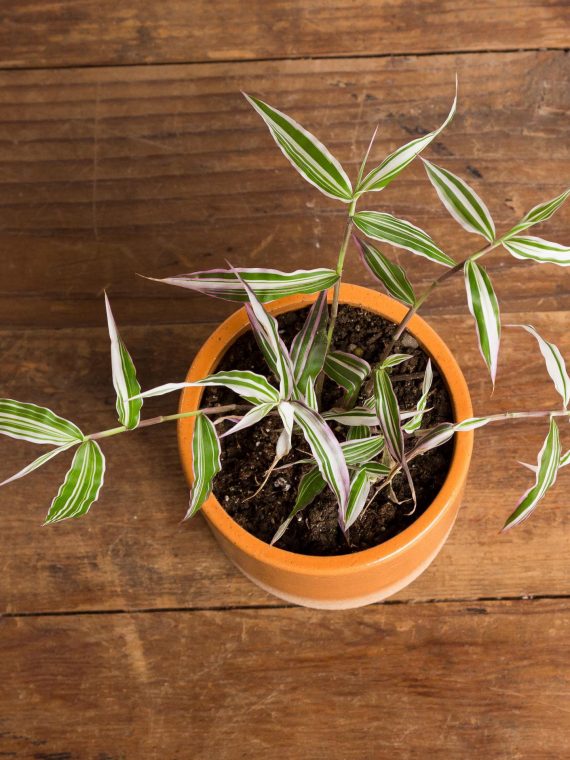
pixel 325 429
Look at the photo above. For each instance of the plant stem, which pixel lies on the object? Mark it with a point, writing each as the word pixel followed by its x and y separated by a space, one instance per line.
pixel 339 270
pixel 523 415
pixel 166 418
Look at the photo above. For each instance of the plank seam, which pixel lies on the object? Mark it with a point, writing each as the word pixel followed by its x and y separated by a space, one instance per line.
pixel 244 607
pixel 277 59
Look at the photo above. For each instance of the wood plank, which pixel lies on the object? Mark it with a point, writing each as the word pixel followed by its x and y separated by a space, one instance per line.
pixel 77 33
pixel 159 170
pixel 132 552
pixel 436 680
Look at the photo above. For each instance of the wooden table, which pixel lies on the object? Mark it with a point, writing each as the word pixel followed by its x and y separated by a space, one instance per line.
pixel 125 147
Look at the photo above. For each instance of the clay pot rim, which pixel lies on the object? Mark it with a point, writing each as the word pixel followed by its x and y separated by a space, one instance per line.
pixel 209 356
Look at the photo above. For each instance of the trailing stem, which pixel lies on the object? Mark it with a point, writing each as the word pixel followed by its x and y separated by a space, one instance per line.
pixel 167 418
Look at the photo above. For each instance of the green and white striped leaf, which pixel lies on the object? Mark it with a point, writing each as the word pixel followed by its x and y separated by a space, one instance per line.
pixel 555 364
pixel 310 486
pixel 388 412
pixel 414 424
pixel 564 460
pixel 311 396
pixel 249 385
pixel 124 376
pixel 359 416
pixel 309 346
pixel 461 201
pixel 539 213
pixel 252 417
pixel 41 460
pixel 307 154
pixel 205 462
pixel 81 486
pixel 327 453
pixel 432 438
pixel 391 275
pixel 348 370
pixel 378 178
pixel 287 414
pixel 484 307
pixel 537 249
pixel 376 470
pixel 473 423
pixel 266 333
pixel 362 450
pixel 359 489
pixel 267 284
pixel 36 424
pixel 548 463
pixel 402 234
pixel 394 360
pixel 356 432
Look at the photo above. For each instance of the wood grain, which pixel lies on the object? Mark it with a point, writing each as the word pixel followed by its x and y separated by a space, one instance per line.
pixel 132 552
pixel 160 170
pixel 438 680
pixel 76 33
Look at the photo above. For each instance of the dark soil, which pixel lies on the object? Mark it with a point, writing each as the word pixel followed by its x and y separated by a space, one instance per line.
pixel 247 455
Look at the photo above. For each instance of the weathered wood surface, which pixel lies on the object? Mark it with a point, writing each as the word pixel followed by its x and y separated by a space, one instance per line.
pixel 409 681
pixel 160 170
pixel 77 33
pixel 132 552
pixel 106 172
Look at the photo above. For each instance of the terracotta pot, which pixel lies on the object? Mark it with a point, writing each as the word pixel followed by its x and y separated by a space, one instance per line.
pixel 352 580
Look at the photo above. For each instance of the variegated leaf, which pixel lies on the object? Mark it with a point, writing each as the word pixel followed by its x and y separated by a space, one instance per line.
pixel 267 284
pixel 394 359
pixel 564 460
pixel 416 421
pixel 41 460
pixel 390 422
pixel 307 154
pixel 348 370
pixel 484 307
pixel 555 363
pixel 461 201
pixel 391 275
pixel 548 463
pixel 287 414
pixel 357 417
pixel 473 423
pixel 36 424
pixel 432 438
pixel 402 234
pixel 537 249
pixel 378 178
pixel 327 453
pixel 311 396
pixel 310 344
pixel 356 432
pixel 249 385
pixel 388 412
pixel 124 376
pixel 539 213
pixel 205 462
pixel 359 489
pixel 81 486
pixel 252 417
pixel 310 486
pixel 376 470
pixel 362 450
pixel 266 333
